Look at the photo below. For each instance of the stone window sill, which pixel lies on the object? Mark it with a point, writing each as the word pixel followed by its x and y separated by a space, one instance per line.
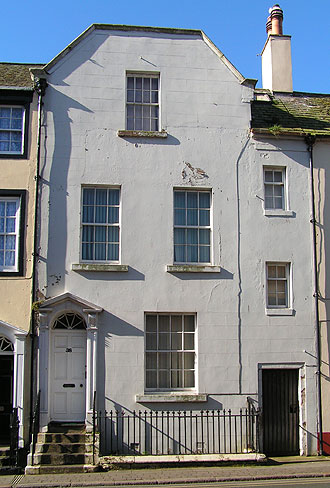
pixel 171 398
pixel 279 311
pixel 142 133
pixel 192 268
pixel 279 213
pixel 121 268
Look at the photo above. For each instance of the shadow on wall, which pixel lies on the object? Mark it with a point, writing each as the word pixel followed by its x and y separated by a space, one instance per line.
pixel 61 105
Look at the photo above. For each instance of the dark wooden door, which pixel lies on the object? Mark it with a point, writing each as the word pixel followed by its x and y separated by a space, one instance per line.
pixel 280 411
pixel 6 397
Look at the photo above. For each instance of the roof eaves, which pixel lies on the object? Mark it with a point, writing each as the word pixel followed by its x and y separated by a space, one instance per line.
pixel 119 27
pixel 223 58
pixel 20 88
pixel 287 133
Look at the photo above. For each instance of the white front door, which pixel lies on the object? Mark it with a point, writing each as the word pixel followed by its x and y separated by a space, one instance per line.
pixel 67 375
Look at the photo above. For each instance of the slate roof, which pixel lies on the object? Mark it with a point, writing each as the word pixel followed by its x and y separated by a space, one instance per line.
pixel 16 75
pixel 297 113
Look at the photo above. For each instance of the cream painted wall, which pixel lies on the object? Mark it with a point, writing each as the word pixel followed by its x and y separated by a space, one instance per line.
pixel 19 174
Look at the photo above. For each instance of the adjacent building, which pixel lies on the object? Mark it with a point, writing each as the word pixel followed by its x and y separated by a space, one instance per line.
pixel 18 163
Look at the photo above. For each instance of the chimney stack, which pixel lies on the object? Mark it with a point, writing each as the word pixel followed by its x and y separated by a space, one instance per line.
pixel 276 54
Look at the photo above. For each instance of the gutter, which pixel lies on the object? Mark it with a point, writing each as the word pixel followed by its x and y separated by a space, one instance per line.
pixel 310 141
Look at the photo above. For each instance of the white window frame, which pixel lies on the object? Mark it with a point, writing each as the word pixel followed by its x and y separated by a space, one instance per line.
pixel 10 130
pixel 272 184
pixel 16 233
pixel 182 350
pixel 197 227
pixel 287 279
pixel 148 75
pixel 95 224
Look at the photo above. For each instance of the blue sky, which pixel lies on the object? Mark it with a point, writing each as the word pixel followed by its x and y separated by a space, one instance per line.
pixel 35 31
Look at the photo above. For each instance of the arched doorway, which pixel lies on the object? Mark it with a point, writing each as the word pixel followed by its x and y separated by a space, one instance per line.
pixel 67 376
pixel 6 387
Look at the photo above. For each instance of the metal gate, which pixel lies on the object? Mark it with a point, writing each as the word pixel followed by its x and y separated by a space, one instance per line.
pixel 280 410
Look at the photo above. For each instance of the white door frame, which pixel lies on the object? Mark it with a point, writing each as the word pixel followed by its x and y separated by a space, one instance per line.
pixel 48 312
pixel 17 337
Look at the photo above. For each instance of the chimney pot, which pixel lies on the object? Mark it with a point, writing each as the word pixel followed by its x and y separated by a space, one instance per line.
pixel 276 16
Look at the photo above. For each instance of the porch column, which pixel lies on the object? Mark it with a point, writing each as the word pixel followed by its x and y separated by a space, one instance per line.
pixel 18 393
pixel 43 359
pixel 91 359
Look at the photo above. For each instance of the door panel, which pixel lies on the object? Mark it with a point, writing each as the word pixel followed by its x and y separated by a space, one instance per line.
pixel 67 375
pixel 280 409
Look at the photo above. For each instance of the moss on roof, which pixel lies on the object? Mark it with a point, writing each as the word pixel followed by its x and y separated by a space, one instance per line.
pixel 296 113
pixel 16 75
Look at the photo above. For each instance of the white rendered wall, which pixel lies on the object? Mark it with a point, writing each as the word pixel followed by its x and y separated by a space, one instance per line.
pixel 208 128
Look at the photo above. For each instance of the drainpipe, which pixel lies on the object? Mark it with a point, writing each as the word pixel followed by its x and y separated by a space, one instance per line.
pixel 39 87
pixel 310 141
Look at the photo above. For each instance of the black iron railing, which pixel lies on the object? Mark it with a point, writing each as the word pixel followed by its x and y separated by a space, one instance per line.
pixel 35 426
pixel 178 432
pixel 14 437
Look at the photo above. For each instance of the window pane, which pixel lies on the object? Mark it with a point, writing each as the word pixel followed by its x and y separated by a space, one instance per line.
pixel 100 252
pixel 164 379
pixel 204 236
pixel 88 214
pixel 204 217
pixel 271 271
pixel 164 323
pixel 151 379
pixel 176 379
pixel 268 203
pixel 113 215
pixel 88 233
pixel 88 252
pixel 88 196
pixel 189 323
pixel 189 360
pixel 176 341
pixel 113 234
pixel 189 341
pixel 268 176
pixel 100 234
pixel 189 379
pixel 10 224
pixel 151 360
pixel 164 341
pixel 164 360
pixel 176 323
pixel 192 236
pixel 151 323
pixel 192 254
pixel 179 236
pixel 179 254
pixel 269 190
pixel 192 217
pixel 10 258
pixel 179 217
pixel 10 242
pixel 101 214
pixel 280 271
pixel 101 197
pixel 204 254
pixel 113 252
pixel 271 299
pixel 151 341
pixel 179 199
pixel 192 199
pixel 278 176
pixel 272 286
pixel 176 360
pixel 204 200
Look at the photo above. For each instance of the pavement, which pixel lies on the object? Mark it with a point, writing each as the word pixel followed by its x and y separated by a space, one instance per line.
pixel 275 468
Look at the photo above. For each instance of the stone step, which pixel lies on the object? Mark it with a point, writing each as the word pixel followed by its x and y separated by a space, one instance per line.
pixel 5 461
pixel 51 448
pixel 59 459
pixel 60 438
pixel 73 468
pixel 4 452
